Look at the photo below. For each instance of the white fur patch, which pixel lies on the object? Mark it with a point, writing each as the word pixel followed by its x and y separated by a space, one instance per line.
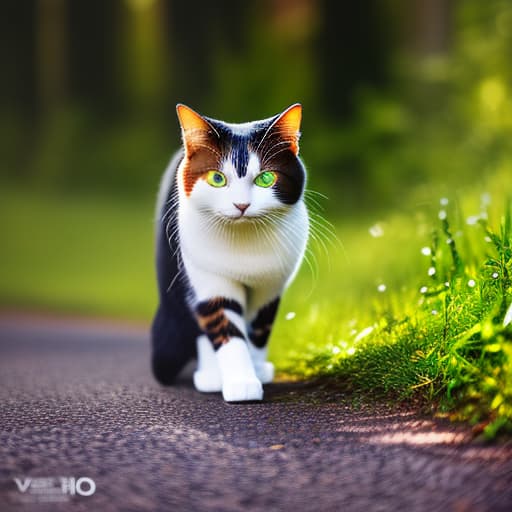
pixel 253 165
pixel 260 256
pixel 207 377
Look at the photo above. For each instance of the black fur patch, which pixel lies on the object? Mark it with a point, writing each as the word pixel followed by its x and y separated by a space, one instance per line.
pixel 261 326
pixel 291 177
pixel 240 154
pixel 275 154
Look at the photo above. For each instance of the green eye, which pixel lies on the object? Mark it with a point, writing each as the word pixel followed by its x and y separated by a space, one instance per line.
pixel 216 179
pixel 265 179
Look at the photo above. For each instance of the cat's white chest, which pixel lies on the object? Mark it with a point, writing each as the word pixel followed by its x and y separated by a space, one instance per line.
pixel 256 256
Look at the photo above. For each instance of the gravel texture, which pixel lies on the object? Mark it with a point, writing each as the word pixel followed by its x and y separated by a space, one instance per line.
pixel 77 400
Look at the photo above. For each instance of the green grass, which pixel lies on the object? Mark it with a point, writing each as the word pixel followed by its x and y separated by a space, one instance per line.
pixel 89 255
pixel 423 317
pixel 392 312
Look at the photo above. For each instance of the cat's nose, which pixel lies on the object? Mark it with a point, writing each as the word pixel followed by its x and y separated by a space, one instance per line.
pixel 242 206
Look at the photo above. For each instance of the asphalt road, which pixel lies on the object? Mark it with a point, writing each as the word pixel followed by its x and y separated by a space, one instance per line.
pixel 85 428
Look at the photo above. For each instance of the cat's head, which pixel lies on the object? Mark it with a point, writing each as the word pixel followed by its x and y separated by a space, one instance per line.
pixel 244 171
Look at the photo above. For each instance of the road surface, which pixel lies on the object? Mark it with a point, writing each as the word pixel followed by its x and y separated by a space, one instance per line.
pixel 84 427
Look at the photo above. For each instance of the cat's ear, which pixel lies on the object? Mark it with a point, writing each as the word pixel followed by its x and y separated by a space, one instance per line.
pixel 288 126
pixel 195 129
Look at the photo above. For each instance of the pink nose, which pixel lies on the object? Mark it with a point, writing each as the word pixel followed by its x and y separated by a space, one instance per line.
pixel 242 207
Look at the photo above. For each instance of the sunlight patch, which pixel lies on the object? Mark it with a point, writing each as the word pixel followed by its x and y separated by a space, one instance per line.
pixel 420 438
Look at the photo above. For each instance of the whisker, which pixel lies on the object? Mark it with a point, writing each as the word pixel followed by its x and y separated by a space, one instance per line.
pixel 265 158
pixel 269 130
pixel 309 257
pixel 312 202
pixel 310 191
pixel 273 155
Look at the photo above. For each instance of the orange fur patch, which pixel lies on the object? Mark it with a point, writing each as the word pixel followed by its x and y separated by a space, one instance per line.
pixel 197 165
pixel 201 154
pixel 288 125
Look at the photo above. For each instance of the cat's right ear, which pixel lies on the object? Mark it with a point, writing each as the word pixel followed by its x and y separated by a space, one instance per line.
pixel 195 129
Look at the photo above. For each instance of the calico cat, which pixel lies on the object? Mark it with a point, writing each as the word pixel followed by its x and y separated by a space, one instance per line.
pixel 231 233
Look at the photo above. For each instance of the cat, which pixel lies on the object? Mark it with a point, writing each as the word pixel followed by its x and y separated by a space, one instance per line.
pixel 231 232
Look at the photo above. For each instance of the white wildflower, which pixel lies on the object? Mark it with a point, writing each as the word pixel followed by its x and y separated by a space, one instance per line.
pixel 351 351
pixel 431 271
pixel 423 289
pixel 472 220
pixel 381 288
pixel 365 332
pixel 485 199
pixel 471 283
pixel 376 231
pixel 290 316
pixel 426 251
pixel 508 317
pixel 495 275
pixel 444 201
pixel 442 214
pixel 335 350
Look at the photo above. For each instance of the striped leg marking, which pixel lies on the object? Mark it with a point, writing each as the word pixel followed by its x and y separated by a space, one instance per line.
pixel 262 325
pixel 212 319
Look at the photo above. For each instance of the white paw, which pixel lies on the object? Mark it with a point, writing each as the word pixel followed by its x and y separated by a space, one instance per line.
pixel 239 380
pixel 242 390
pixel 207 381
pixel 207 377
pixel 264 372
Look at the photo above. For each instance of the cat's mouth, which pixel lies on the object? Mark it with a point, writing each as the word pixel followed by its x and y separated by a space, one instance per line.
pixel 242 217
pixel 238 218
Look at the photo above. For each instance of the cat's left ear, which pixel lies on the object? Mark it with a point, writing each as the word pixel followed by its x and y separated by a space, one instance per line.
pixel 288 126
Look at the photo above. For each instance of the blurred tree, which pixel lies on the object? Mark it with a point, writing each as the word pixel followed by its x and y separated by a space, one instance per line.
pixel 17 57
pixel 430 27
pixel 92 46
pixel 18 86
pixel 197 31
pixel 52 54
pixel 273 69
pixel 144 61
pixel 352 49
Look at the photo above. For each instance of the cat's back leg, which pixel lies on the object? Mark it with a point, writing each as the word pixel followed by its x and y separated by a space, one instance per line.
pixel 173 338
pixel 174 330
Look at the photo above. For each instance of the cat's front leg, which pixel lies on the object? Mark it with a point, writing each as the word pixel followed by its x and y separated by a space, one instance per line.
pixel 260 327
pixel 219 306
